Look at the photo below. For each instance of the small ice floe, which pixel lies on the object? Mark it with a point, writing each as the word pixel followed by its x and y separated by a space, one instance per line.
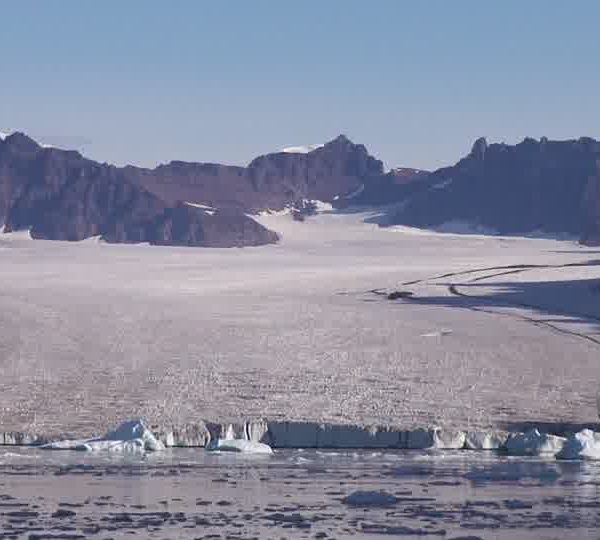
pixel 582 445
pixel 439 333
pixel 131 437
pixel 534 443
pixel 242 446
pixel 373 499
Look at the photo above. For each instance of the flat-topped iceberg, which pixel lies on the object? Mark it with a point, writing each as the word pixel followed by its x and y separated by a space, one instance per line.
pixel 131 437
pixel 582 445
pixel 239 445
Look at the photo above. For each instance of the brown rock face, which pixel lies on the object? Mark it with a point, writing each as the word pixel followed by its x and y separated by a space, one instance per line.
pixel 591 204
pixel 60 195
pixel 532 187
pixel 273 181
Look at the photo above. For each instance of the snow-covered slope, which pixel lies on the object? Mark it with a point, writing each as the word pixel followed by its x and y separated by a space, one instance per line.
pixel 301 149
pixel 301 330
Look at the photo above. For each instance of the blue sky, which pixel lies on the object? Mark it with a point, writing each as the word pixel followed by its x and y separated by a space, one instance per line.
pixel 145 81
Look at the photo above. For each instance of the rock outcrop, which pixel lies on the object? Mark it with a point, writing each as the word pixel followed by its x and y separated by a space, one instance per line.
pixel 60 195
pixel 550 187
pixel 395 186
pixel 591 208
pixel 272 181
pixel 534 187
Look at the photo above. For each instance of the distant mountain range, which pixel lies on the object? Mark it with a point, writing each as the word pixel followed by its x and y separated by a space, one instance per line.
pixel 533 187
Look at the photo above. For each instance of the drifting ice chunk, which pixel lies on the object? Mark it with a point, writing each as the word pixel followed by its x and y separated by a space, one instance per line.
pixel 239 445
pixel 135 429
pixel 582 445
pixel 534 443
pixel 135 446
pixel 131 437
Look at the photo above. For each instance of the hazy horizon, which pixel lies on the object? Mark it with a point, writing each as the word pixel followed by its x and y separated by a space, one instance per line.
pixel 144 83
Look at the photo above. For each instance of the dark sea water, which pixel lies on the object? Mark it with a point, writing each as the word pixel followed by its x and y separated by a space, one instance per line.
pixel 189 493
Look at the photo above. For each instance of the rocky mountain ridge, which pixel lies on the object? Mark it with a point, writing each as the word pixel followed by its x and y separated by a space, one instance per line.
pixel 273 181
pixel 534 187
pixel 60 195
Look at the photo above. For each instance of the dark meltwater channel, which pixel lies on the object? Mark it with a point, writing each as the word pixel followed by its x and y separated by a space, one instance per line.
pixel 295 494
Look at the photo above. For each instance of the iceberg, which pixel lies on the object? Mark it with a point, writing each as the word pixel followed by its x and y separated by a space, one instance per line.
pixel 582 445
pixel 131 437
pixel 534 443
pixel 239 445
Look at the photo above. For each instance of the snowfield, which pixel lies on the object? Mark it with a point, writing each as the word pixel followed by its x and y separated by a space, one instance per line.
pixel 302 149
pixel 488 331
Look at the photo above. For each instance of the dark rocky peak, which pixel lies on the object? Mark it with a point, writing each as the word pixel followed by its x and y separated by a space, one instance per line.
pixel 326 173
pixel 20 143
pixel 479 149
pixel 591 208
pixel 340 140
pixel 527 188
pixel 60 195
pixel 588 144
pixel 353 158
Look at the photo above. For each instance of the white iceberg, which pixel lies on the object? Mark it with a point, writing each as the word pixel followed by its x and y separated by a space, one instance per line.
pixel 485 440
pixel 534 443
pixel 131 437
pixel 239 445
pixel 582 445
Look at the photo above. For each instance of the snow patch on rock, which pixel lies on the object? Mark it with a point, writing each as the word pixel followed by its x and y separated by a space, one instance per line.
pixel 463 227
pixel 442 184
pixel 16 236
pixel 208 209
pixel 301 149
pixel 315 205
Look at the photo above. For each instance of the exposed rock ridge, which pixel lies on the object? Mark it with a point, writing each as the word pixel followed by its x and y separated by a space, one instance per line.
pixel 591 204
pixel 60 195
pixel 533 187
pixel 271 181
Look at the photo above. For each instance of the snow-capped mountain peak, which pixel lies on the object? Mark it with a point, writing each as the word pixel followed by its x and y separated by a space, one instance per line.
pixel 301 149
